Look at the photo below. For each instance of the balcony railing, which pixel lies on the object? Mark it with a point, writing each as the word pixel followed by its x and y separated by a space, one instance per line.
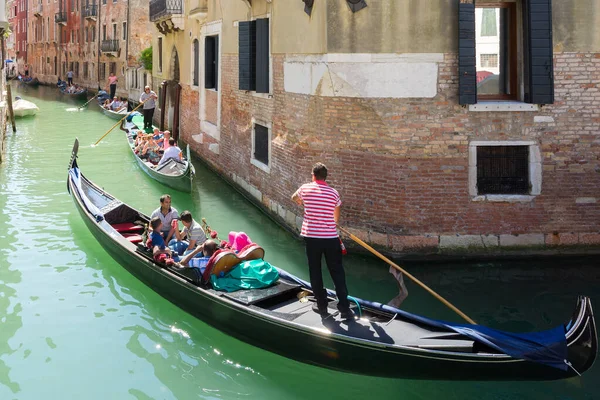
pixel 38 10
pixel 164 8
pixel 108 46
pixel 60 17
pixel 90 11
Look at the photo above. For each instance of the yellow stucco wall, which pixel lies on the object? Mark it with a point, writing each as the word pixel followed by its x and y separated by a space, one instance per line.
pixel 392 26
pixel 418 26
pixel 576 25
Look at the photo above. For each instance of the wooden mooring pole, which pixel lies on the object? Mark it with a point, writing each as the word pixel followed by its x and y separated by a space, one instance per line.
pixel 10 108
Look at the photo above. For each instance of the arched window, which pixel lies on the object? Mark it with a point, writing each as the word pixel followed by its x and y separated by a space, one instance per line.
pixel 196 62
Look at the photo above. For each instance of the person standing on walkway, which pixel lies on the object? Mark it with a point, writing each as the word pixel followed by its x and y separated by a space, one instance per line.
pixel 70 77
pixel 26 70
pixel 112 84
pixel 321 213
pixel 149 100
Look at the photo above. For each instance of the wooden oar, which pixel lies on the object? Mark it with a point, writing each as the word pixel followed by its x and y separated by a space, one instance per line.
pixel 88 102
pixel 115 125
pixel 418 282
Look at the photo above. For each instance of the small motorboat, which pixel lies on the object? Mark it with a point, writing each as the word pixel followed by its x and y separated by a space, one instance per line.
pixel 23 108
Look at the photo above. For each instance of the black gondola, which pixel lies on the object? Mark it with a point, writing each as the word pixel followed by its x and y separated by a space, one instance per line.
pixel 384 341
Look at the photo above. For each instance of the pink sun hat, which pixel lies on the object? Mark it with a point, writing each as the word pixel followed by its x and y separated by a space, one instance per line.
pixel 238 240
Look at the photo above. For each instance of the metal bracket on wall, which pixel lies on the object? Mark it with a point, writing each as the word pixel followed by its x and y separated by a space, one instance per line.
pixel 356 5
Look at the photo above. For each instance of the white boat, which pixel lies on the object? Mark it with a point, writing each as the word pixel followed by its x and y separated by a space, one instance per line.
pixel 116 114
pixel 23 108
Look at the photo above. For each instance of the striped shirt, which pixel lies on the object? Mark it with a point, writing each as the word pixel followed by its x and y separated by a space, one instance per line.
pixel 319 201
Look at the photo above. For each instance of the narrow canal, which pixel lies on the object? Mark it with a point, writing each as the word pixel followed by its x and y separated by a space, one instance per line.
pixel 75 324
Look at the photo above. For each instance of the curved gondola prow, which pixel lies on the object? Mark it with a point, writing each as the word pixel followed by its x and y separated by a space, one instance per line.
pixel 73 161
pixel 582 337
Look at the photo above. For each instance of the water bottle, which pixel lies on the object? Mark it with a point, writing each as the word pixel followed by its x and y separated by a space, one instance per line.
pixel 344 251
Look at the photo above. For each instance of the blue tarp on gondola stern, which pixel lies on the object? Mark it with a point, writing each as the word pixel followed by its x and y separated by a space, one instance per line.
pixel 545 347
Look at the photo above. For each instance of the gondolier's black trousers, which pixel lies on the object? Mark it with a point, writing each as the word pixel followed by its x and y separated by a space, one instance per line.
pixel 148 114
pixel 113 90
pixel 315 249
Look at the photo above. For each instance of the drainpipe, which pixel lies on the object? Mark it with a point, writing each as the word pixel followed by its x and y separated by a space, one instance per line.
pixel 127 52
pixel 98 24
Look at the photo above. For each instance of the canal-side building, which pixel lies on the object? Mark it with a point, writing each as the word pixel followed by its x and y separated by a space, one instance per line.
pixel 4 28
pixel 91 39
pixel 11 16
pixel 447 125
pixel 20 33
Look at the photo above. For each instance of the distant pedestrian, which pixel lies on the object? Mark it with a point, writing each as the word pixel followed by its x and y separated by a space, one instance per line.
pixel 321 214
pixel 112 83
pixel 70 77
pixel 148 98
pixel 26 70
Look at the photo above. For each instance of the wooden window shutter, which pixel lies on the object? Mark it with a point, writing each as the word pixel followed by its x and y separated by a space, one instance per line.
pixel 262 55
pixel 467 67
pixel 210 57
pixel 247 55
pixel 539 76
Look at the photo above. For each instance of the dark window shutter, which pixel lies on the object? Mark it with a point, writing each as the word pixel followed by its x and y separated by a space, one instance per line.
pixel 262 55
pixel 467 67
pixel 247 55
pixel 261 144
pixel 210 55
pixel 539 77
pixel 216 63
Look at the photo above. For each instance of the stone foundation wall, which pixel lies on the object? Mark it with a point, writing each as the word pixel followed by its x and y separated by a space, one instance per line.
pixel 402 164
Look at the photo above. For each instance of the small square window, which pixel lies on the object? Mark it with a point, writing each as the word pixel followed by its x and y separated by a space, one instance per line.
pixel 503 170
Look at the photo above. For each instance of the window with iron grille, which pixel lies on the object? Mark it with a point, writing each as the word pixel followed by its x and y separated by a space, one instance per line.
pixel 102 72
pixel 85 70
pixel 503 170
pixel 489 60
pixel 261 144
pixel 113 68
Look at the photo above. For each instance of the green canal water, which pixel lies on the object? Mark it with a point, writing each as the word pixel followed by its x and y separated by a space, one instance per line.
pixel 75 325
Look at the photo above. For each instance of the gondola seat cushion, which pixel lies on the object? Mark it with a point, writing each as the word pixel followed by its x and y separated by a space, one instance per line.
pixel 127 227
pixel 133 237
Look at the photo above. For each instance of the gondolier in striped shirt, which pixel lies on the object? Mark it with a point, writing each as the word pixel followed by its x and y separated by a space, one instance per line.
pixel 321 213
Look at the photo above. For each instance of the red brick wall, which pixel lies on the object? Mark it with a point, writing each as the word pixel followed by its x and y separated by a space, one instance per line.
pixel 401 165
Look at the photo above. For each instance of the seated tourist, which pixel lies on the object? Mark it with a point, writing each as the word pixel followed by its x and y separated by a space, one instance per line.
pixel 200 256
pixel 160 251
pixel 192 231
pixel 168 215
pixel 164 141
pixel 116 104
pixel 172 152
pixel 150 152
